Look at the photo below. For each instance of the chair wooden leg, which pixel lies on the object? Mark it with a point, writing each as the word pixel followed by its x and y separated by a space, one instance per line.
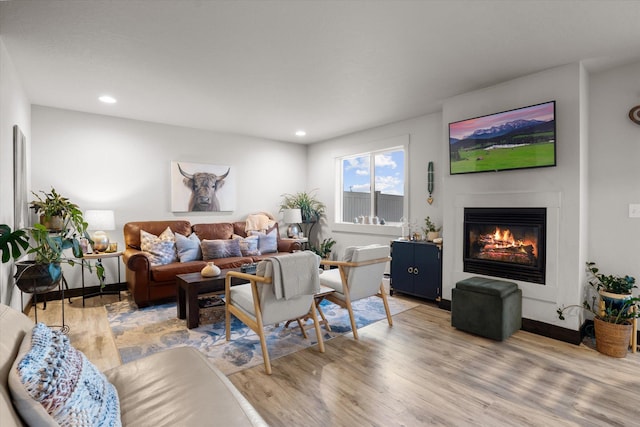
pixel 227 319
pixel 316 324
pixel 352 318
pixel 383 295
pixel 265 353
pixel 304 333
pixel 325 322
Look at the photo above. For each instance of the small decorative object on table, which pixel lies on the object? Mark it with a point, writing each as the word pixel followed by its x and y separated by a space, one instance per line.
pixel 248 268
pixel 210 270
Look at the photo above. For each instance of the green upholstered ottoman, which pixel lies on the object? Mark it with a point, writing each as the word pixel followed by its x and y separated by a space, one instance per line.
pixel 487 307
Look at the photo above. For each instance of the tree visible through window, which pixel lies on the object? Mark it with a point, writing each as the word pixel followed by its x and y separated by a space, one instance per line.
pixel 384 171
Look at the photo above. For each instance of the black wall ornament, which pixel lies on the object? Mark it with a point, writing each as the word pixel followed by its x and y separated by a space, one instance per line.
pixel 634 114
pixel 430 182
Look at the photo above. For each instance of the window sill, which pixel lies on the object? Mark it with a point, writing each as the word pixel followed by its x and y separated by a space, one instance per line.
pixel 382 230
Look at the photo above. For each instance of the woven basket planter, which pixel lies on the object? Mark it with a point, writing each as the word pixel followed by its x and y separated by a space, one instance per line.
pixel 612 339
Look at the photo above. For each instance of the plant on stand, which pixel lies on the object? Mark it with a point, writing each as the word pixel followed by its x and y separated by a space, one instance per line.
pixel 311 208
pixel 55 210
pixel 47 246
pixel 614 308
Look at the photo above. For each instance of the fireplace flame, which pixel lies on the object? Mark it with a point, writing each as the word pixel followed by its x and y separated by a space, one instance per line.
pixel 505 240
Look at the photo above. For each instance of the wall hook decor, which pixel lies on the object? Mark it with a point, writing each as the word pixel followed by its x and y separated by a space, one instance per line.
pixel 634 114
pixel 430 182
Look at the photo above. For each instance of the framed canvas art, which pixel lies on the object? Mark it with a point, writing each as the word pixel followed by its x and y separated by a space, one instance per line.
pixel 198 187
pixel 20 203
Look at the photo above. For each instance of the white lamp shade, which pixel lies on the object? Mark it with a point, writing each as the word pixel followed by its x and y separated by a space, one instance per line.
pixel 100 220
pixel 292 216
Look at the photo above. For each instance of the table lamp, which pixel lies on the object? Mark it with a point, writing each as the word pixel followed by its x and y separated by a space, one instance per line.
pixel 100 220
pixel 292 217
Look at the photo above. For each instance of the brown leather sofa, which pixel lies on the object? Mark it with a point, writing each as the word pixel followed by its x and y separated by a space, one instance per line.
pixel 150 284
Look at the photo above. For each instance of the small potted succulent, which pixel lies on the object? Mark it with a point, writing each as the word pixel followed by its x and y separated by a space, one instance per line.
pixel 430 230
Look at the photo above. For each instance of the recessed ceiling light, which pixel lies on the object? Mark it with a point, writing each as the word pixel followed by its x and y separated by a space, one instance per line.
pixel 108 99
pixel 301 133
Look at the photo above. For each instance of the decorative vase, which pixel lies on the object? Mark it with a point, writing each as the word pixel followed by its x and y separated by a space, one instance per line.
pixel 210 270
pixel 432 235
pixel 612 339
pixel 100 241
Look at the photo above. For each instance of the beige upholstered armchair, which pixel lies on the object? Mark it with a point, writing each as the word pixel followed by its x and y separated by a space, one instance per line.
pixel 359 275
pixel 282 289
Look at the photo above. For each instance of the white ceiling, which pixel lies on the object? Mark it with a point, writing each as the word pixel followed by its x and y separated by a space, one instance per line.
pixel 268 68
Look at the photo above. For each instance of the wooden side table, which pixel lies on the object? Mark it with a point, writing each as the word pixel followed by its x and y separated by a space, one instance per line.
pixel 98 256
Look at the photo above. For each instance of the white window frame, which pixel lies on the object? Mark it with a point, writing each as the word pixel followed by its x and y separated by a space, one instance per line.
pixel 388 144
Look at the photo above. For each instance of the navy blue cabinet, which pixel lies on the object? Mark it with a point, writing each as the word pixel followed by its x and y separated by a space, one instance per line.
pixel 416 269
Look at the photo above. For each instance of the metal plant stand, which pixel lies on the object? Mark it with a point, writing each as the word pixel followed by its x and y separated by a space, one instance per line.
pixel 36 290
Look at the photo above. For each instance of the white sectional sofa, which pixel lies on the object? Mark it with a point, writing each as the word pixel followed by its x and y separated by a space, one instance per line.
pixel 170 388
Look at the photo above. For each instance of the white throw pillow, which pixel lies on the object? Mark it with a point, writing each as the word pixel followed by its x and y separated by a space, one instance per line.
pixel 188 247
pixel 267 243
pixel 160 249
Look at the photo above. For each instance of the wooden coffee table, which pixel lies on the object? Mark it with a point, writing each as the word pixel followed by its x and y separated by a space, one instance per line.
pixel 190 285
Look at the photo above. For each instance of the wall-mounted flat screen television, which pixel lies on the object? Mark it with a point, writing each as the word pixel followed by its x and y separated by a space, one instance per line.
pixel 514 139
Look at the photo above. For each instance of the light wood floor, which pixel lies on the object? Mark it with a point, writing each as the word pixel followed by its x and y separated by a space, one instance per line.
pixel 419 372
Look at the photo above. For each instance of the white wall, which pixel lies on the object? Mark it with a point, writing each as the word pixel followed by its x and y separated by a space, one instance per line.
pixel 614 171
pixel 103 162
pixel 559 188
pixel 14 110
pixel 425 134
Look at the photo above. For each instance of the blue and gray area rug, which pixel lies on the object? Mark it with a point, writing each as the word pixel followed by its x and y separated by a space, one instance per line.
pixel 139 332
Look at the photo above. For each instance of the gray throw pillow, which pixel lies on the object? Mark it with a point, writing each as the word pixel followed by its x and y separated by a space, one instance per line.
pixel 214 249
pixel 267 243
pixel 188 247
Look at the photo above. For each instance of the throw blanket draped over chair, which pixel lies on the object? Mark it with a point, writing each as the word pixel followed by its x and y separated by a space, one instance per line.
pixel 293 275
pixel 279 291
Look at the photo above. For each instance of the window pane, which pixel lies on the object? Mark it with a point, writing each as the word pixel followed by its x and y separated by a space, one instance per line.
pixel 356 187
pixel 389 185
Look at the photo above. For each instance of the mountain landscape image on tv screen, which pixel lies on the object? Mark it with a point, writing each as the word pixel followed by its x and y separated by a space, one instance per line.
pixel 515 139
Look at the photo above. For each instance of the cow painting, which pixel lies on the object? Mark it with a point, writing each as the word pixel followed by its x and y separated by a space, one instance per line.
pixel 203 186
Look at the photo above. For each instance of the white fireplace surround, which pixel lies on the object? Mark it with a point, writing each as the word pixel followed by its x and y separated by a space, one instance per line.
pixel 550 200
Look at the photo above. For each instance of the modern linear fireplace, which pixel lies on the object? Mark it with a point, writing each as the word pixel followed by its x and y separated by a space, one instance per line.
pixel 506 242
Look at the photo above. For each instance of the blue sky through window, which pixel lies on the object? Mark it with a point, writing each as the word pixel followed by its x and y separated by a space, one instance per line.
pixel 389 173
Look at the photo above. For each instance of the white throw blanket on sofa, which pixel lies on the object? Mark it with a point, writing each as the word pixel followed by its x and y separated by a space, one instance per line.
pixel 258 222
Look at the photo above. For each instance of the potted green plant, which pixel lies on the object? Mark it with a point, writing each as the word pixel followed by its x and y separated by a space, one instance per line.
pixel 611 302
pixel 312 209
pixel 46 246
pixel 54 209
pixel 431 231
pixel 324 249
